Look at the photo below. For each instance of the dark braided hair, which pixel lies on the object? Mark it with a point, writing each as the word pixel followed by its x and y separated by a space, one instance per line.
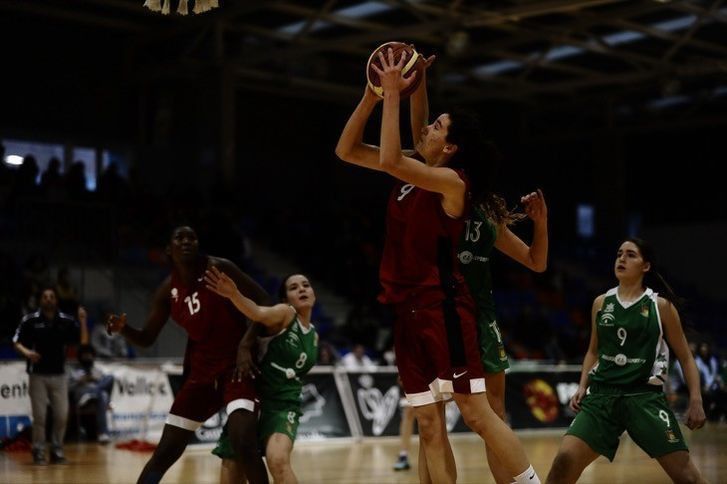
pixel 480 159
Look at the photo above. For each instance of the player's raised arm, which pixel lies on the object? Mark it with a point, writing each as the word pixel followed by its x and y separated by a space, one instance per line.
pixel 272 316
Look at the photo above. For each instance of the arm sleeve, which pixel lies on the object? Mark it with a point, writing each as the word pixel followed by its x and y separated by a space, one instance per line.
pixel 23 334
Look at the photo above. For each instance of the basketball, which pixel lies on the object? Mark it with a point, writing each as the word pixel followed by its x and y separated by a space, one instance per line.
pixel 414 62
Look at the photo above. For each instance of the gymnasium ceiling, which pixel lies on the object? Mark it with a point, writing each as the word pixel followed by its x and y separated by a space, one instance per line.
pixel 611 58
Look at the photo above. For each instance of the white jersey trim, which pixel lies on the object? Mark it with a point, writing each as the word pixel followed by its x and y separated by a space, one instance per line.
pixel 654 379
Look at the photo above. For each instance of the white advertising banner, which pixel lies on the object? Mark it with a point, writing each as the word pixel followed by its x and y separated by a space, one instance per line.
pixel 141 399
pixel 14 400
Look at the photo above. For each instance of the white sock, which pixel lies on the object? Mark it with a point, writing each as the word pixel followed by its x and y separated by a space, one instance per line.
pixel 527 477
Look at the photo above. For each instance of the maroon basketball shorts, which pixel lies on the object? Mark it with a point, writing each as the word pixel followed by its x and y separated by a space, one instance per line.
pixel 200 398
pixel 437 350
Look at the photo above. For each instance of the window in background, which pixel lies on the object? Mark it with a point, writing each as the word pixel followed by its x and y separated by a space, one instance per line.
pixel 634 224
pixel 15 151
pixel 585 220
pixel 87 156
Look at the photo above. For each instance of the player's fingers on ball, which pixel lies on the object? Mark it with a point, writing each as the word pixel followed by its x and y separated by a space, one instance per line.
pixel 402 59
pixel 382 59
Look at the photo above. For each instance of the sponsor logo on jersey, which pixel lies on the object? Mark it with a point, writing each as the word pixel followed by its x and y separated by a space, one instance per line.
pixel 465 257
pixel 644 310
pixel 175 294
pixel 609 308
pixel 622 360
pixel 607 319
pixel 292 339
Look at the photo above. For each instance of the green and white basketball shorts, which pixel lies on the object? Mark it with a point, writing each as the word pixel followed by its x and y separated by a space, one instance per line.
pixel 607 412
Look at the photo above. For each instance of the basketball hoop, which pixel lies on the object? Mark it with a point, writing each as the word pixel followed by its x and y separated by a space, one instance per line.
pixel 164 6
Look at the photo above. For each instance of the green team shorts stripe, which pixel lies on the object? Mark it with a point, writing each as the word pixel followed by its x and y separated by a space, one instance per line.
pixel 492 351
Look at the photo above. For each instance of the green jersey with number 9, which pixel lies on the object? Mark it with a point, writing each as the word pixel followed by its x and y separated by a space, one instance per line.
pixel 631 346
pixel 284 359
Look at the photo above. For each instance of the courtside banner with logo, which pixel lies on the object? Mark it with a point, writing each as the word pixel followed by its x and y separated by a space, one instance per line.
pixel 377 396
pixel 539 398
pixel 323 415
pixel 378 403
pixel 15 408
pixel 141 399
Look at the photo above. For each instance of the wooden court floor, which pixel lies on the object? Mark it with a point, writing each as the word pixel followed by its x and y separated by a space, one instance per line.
pixel 369 461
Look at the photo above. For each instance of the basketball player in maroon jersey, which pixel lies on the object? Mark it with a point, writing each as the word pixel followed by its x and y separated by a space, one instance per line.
pixel 214 328
pixel 435 335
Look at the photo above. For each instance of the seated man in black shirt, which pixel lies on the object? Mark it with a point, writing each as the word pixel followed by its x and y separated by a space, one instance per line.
pixel 42 338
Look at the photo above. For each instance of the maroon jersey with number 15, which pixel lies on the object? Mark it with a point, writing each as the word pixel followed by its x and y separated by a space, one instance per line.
pixel 214 326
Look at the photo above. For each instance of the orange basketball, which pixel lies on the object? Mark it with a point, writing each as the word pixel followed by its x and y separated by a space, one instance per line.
pixel 413 62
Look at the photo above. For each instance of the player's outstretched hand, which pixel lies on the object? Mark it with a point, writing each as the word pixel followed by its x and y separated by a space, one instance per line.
pixel 220 283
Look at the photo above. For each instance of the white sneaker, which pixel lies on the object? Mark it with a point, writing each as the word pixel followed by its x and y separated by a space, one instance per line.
pixel 104 438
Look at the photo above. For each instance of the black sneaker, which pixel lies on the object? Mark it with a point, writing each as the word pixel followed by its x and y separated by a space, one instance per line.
pixel 402 464
pixel 57 457
pixel 39 457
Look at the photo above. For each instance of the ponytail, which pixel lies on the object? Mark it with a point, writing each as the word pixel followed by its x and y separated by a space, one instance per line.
pixel 653 278
pixel 495 208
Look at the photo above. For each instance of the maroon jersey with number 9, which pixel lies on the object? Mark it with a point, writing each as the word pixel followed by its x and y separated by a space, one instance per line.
pixel 420 249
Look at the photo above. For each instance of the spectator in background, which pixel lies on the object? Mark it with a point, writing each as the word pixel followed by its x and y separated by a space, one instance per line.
pixel 108 345
pixel 25 179
pixel 66 291
pixel 51 181
pixel 327 354
pixel 75 181
pixel 89 384
pixel 357 360
pixel 42 338
pixel 112 187
pixel 712 384
pixel 708 367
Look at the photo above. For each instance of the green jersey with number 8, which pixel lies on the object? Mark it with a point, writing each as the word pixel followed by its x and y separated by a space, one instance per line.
pixel 285 358
pixel 631 346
